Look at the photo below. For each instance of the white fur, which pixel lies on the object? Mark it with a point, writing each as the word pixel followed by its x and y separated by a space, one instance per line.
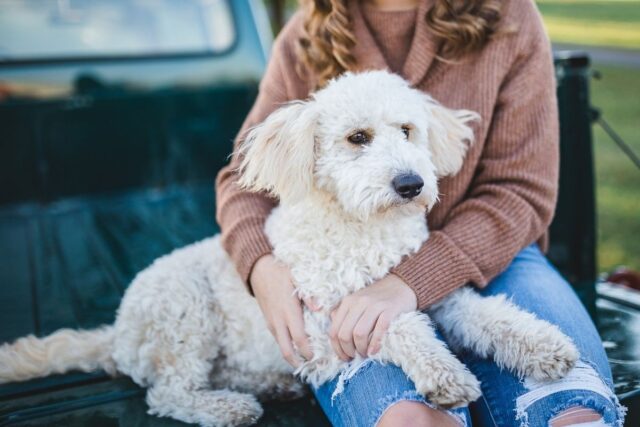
pixel 189 331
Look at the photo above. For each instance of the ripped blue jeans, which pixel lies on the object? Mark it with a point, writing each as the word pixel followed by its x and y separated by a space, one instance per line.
pixel 533 284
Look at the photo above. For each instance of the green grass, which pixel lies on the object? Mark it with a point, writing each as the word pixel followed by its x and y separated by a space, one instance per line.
pixel 613 23
pixel 617 179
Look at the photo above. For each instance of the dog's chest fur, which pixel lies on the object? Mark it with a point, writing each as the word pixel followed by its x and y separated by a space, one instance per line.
pixel 332 255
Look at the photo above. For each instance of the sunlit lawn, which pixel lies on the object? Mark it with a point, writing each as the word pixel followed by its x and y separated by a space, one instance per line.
pixel 593 22
pixel 614 23
pixel 617 180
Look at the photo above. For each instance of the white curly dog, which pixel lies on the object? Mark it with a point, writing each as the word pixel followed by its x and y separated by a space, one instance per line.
pixel 354 167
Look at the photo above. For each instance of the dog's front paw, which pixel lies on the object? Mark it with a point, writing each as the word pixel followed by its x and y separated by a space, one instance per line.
pixel 449 387
pixel 231 410
pixel 552 356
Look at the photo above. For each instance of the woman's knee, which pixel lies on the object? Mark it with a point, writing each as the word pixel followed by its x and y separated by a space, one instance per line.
pixel 412 414
pixel 576 415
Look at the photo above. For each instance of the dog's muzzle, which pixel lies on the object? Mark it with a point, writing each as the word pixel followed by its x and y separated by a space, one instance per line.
pixel 407 185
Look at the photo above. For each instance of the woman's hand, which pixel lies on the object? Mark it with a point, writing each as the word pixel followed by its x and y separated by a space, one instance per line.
pixel 359 323
pixel 273 287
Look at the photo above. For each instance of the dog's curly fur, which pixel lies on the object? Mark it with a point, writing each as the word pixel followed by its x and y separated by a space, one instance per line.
pixel 188 330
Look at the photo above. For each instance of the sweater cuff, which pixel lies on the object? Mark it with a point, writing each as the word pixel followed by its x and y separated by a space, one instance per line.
pixel 249 244
pixel 437 269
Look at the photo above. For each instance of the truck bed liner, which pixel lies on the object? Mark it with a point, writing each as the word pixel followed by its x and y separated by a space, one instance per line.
pixel 69 263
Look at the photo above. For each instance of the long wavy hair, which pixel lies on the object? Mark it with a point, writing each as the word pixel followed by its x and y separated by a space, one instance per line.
pixel 325 49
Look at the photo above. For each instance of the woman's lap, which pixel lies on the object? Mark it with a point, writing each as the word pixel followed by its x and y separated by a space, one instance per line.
pixel 368 394
pixel 534 285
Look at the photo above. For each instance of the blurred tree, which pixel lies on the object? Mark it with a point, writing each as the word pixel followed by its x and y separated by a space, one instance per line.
pixel 279 12
pixel 276 13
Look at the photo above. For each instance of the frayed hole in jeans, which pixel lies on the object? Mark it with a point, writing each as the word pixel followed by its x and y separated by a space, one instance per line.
pixel 582 378
pixel 347 373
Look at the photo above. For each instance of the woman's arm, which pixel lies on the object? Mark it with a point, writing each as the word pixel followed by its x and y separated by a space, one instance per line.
pixel 512 198
pixel 242 214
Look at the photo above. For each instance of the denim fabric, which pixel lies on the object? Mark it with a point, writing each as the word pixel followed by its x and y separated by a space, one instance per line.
pixel 534 285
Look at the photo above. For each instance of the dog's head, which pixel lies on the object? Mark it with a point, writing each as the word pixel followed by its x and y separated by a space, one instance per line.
pixel 367 140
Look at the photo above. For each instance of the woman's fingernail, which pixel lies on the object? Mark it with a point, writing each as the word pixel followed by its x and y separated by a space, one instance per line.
pixel 311 304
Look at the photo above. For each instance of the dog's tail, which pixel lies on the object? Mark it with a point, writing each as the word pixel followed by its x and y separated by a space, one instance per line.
pixel 64 350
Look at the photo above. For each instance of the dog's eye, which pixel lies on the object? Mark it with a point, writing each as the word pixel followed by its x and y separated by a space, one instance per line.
pixel 359 138
pixel 406 129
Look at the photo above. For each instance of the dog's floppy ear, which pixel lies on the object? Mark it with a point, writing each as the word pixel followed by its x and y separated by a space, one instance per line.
pixel 449 137
pixel 278 154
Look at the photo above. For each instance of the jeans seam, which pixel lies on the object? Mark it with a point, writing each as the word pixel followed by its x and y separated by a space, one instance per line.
pixel 487 392
pixel 493 420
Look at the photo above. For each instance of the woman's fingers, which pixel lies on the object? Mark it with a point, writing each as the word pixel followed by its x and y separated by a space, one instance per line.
pixel 345 333
pixel 363 330
pixel 273 288
pixel 335 344
pixel 336 322
pixel 312 304
pixel 286 346
pixel 382 325
pixel 344 323
pixel 298 334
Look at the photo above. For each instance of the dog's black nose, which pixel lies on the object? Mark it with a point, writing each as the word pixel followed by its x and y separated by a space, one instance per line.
pixel 407 185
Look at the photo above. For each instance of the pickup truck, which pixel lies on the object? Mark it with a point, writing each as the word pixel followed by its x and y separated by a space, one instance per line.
pixel 114 120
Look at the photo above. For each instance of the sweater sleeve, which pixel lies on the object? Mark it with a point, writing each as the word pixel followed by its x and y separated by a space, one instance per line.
pixel 511 200
pixel 242 214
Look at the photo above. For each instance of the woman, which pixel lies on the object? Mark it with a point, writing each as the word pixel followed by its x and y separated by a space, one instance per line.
pixel 491 57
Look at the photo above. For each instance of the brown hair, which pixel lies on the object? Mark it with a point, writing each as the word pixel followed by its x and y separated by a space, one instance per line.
pixel 325 49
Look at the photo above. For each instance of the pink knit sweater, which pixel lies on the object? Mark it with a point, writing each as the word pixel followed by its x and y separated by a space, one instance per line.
pixel 502 200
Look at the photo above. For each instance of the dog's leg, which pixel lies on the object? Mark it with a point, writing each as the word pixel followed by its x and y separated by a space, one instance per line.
pixel 412 344
pixel 201 406
pixel 265 385
pixel 517 340
pixel 181 390
pixel 181 353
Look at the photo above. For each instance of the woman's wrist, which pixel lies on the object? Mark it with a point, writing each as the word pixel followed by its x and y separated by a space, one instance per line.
pixel 406 291
pixel 257 271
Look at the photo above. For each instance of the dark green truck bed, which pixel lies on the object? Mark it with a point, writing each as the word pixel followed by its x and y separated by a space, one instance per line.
pixel 119 169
